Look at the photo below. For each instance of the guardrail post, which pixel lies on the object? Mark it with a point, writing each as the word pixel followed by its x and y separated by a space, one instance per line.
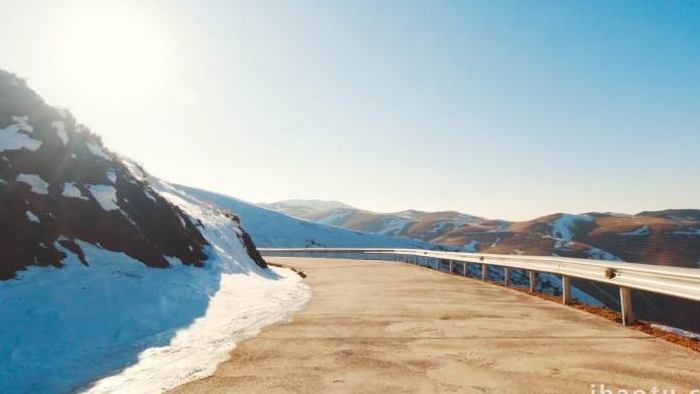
pixel 464 268
pixel 484 271
pixel 451 266
pixel 626 306
pixel 533 281
pixel 506 276
pixel 566 290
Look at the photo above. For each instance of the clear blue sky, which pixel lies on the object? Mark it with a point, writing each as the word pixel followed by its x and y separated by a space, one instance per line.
pixel 506 109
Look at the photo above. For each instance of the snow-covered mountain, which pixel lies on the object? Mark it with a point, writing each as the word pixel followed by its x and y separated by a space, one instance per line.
pixel 110 279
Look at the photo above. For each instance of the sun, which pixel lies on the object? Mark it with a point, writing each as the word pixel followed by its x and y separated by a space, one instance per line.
pixel 112 52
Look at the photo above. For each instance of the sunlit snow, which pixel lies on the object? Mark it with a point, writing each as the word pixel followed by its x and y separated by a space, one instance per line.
pixel 97 151
pixel 61 131
pixel 70 190
pixel 105 195
pixel 12 138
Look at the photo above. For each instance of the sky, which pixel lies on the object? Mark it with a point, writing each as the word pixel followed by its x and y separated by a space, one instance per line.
pixel 502 109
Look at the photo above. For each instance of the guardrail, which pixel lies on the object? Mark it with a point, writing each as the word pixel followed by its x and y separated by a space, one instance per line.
pixel 673 281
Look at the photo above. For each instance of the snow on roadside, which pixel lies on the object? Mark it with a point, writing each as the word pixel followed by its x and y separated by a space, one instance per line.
pixel 243 305
pixel 248 299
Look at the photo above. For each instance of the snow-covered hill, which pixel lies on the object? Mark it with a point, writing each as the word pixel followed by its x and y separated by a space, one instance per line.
pixel 270 228
pixel 109 282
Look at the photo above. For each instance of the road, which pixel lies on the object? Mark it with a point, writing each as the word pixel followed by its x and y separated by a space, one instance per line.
pixel 390 327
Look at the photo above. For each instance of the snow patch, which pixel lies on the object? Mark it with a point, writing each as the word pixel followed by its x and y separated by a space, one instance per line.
pixel 638 232
pixel 395 226
pixel 334 217
pixel 97 150
pixel 105 195
pixel 562 228
pixel 71 191
pixel 677 331
pixel 112 176
pixel 23 123
pixel 38 185
pixel 600 254
pixel 472 246
pixel 134 169
pixel 32 217
pixel 61 131
pixel 694 231
pixel 149 195
pixel 12 138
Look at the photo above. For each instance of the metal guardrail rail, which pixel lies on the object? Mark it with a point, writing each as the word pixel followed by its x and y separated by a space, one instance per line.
pixel 672 281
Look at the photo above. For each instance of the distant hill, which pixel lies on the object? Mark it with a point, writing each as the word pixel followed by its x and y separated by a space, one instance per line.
pixel 276 228
pixel 670 237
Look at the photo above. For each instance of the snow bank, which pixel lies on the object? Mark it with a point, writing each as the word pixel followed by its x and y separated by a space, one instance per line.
pixel 38 185
pixel 242 306
pixel 105 195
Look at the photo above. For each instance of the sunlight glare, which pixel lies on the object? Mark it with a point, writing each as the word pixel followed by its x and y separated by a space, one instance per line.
pixel 112 53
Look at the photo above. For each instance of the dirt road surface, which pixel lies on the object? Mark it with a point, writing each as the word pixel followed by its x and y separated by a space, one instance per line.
pixel 380 327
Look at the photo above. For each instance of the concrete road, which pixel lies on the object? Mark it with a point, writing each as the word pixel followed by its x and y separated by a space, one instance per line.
pixel 389 327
